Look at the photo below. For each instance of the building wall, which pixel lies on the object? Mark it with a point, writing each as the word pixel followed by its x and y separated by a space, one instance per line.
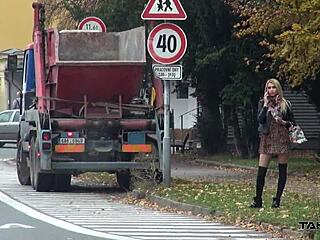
pixel 10 81
pixel 16 23
pixel 3 83
pixel 181 106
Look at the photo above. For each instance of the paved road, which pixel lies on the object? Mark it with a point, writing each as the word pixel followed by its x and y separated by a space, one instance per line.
pixel 18 226
pixel 8 151
pixel 185 170
pixel 95 213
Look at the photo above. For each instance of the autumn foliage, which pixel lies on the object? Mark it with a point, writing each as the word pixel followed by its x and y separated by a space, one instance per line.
pixel 291 29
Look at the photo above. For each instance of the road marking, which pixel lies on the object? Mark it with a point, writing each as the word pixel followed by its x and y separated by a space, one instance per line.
pixel 56 222
pixel 15 225
pixel 101 212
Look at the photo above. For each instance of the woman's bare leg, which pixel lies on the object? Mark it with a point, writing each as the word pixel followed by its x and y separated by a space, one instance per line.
pixel 283 158
pixel 264 160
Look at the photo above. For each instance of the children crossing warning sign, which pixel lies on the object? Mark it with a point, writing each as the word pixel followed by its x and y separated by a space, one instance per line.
pixel 164 10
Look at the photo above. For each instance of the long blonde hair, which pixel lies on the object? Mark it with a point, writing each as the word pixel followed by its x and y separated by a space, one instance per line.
pixel 283 102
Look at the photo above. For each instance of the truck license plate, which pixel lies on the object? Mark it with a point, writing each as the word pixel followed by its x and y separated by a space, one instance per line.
pixel 71 141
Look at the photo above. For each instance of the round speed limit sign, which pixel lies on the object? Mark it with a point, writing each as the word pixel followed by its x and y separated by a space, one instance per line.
pixel 167 43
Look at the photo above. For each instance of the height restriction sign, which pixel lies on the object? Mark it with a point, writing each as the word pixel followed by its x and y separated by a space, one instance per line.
pixel 167 43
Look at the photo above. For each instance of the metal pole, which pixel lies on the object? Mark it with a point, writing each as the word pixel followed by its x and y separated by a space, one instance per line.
pixel 9 103
pixel 181 127
pixel 173 135
pixel 166 138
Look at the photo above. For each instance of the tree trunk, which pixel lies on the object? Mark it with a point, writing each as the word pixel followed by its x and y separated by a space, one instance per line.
pixel 238 137
pixel 211 131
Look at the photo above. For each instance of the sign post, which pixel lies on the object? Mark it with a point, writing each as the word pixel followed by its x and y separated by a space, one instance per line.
pixel 166 138
pixel 167 43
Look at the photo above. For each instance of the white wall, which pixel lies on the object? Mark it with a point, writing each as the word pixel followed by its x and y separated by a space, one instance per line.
pixel 181 106
pixel 8 89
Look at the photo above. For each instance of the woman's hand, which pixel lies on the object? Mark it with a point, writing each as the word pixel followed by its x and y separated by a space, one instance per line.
pixel 265 99
pixel 288 124
pixel 280 121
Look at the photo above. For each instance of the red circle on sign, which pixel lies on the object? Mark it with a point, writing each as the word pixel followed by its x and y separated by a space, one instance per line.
pixel 152 38
pixel 93 19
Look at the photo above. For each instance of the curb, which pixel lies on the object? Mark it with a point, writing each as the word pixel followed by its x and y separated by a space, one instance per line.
pixel 227 165
pixel 197 210
pixel 230 165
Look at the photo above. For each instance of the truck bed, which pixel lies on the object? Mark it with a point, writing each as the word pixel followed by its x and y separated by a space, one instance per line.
pixel 98 66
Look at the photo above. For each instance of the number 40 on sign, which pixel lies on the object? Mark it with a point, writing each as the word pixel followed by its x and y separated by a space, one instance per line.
pixel 167 43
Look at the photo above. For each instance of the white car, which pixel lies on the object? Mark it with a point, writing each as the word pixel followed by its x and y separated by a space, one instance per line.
pixel 9 126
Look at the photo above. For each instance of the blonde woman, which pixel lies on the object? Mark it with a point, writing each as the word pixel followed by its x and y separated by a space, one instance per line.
pixel 274 117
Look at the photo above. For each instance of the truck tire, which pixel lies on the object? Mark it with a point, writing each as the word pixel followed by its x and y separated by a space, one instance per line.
pixel 41 182
pixel 124 179
pixel 61 182
pixel 23 171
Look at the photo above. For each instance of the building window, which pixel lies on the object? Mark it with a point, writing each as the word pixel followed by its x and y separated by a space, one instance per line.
pixel 182 91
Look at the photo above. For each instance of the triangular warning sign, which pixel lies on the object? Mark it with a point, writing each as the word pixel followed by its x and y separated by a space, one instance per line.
pixel 164 10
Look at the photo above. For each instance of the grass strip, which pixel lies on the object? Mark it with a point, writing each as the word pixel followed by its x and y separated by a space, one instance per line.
pixel 233 200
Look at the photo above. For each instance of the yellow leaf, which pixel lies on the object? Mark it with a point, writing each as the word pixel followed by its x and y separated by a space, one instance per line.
pixel 296 27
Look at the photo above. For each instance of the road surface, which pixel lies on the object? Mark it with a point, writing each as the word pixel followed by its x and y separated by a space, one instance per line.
pixel 98 214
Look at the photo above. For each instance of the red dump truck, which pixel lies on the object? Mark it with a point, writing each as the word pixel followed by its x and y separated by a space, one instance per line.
pixel 85 108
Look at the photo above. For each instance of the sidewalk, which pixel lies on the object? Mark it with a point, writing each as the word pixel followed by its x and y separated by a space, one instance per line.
pixel 200 170
pixel 197 170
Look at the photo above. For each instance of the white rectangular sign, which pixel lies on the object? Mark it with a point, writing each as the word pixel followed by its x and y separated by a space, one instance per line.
pixel 168 72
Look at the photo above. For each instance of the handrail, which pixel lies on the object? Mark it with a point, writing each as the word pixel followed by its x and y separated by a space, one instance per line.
pixel 190 111
pixel 181 120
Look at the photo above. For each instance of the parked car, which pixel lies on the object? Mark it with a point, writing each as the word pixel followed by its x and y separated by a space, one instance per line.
pixel 9 126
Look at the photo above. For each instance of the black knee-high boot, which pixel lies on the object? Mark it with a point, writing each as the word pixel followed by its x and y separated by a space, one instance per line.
pixel 281 184
pixel 257 200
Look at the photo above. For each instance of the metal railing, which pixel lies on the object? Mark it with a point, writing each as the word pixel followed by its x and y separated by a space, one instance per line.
pixel 181 120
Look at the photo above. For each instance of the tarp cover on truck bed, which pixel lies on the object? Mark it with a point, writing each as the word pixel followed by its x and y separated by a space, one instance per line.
pixel 100 66
pixel 94 46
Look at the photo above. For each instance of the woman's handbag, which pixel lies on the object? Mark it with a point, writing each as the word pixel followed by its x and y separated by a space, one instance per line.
pixel 296 134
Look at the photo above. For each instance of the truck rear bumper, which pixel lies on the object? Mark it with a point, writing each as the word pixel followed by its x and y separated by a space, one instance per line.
pixel 98 166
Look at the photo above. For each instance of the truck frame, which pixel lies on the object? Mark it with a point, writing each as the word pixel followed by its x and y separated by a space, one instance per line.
pixel 84 107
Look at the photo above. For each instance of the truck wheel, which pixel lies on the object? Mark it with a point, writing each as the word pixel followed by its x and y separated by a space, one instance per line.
pixel 41 182
pixel 123 179
pixel 61 182
pixel 23 170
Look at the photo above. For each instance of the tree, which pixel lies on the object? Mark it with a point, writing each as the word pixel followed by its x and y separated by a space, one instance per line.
pixel 241 95
pixel 291 31
pixel 208 29
pixel 117 15
pixel 228 85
